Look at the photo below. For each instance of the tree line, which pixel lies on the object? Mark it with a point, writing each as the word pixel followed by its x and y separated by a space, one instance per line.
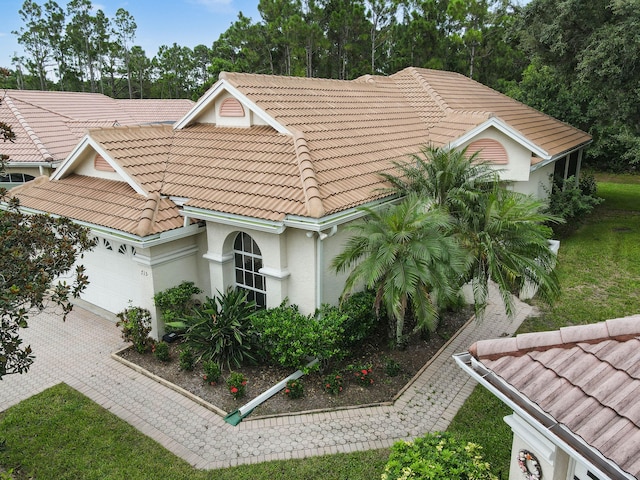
pixel 576 60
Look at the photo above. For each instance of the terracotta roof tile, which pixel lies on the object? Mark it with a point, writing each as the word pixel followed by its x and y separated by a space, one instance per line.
pixel 102 202
pixel 586 377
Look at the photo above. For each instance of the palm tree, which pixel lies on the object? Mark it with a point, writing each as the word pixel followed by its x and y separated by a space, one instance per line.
pixel 505 232
pixel 450 178
pixel 507 235
pixel 407 256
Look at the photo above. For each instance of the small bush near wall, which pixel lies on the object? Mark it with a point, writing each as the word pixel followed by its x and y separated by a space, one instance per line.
pixel 176 302
pixel 436 456
pixel 361 317
pixel 572 202
pixel 136 326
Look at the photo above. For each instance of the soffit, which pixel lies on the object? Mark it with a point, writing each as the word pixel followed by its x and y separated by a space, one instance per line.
pixel 587 378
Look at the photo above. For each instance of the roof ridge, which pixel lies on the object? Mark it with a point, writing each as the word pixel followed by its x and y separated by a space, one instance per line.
pixel 148 215
pixel 621 329
pixel 27 128
pixel 413 71
pixel 312 196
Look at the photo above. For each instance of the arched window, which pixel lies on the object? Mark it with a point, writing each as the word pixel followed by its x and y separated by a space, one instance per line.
pixel 248 261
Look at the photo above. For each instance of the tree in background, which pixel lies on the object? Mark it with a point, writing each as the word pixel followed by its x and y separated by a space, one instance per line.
pixel 38 253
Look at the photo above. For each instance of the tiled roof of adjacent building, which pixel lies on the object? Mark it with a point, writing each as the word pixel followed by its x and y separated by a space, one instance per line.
pixel 48 125
pixel 333 140
pixel 586 377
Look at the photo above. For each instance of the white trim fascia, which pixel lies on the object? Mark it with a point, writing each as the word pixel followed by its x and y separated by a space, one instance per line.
pixel 335 219
pixel 234 220
pixel 74 157
pixel 10 164
pixel 154 261
pixel 507 130
pixel 224 86
pixel 124 237
pixel 480 373
pixel 543 447
pixel 557 157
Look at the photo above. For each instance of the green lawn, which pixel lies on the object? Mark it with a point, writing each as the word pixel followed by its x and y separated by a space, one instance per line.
pixel 63 435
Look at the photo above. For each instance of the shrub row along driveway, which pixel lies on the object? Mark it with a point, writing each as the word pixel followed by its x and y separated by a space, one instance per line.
pixel 77 352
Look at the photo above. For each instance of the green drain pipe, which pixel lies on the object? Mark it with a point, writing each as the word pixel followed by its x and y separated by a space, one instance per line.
pixel 235 417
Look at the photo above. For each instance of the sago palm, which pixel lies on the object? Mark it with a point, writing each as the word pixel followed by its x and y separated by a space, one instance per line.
pixel 405 254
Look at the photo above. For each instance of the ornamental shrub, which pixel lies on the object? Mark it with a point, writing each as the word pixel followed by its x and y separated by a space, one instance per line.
pixel 237 384
pixel 220 330
pixel 176 302
pixel 436 456
pixel 333 383
pixel 212 372
pixel 136 326
pixel 186 358
pixel 573 202
pixel 161 351
pixel 361 317
pixel 294 389
pixel 364 375
pixel 289 338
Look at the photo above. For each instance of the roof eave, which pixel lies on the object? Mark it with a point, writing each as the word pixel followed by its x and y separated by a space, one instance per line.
pixel 121 236
pixel 558 156
pixel 544 423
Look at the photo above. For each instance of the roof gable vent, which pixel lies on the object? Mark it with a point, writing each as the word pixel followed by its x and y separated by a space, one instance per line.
pixel 100 164
pixel 231 107
pixel 490 151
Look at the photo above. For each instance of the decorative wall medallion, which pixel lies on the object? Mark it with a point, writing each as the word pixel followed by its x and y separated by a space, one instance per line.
pixel 530 466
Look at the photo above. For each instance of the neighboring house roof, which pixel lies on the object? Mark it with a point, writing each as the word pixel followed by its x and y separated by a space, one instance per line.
pixel 48 125
pixel 316 147
pixel 585 378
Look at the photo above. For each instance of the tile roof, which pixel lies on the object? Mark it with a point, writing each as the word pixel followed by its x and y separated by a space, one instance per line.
pixel 106 203
pixel 339 136
pixel 48 125
pixel 586 377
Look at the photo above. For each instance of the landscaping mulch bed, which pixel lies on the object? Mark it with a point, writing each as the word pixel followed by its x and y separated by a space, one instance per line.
pixel 375 353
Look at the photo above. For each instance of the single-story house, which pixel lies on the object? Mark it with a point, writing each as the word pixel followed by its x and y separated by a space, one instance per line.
pixel 48 125
pixel 252 187
pixel 574 394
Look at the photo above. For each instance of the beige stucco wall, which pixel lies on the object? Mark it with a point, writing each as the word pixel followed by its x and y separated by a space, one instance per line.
pixel 539 184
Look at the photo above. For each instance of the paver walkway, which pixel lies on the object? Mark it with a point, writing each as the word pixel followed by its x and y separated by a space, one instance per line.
pixel 77 352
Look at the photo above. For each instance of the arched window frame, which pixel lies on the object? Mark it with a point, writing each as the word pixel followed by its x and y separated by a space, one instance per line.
pixel 248 262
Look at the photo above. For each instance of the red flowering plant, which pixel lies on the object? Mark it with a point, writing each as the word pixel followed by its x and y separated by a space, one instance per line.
pixel 237 384
pixel 294 389
pixel 211 372
pixel 363 375
pixel 333 383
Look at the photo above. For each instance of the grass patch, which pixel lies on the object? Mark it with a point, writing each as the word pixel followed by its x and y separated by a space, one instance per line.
pixel 62 434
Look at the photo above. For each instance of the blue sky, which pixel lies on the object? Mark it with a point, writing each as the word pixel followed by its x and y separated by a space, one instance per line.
pixel 160 22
